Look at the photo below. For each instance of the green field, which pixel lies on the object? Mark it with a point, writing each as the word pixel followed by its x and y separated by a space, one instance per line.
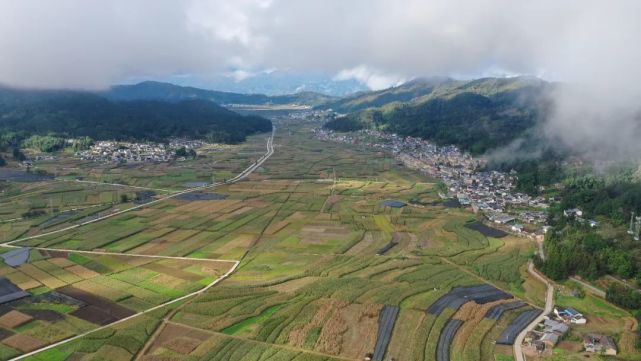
pixel 310 285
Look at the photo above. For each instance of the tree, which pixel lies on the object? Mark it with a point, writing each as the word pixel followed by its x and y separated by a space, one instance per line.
pixel 623 296
pixel 184 152
pixel 124 198
pixel 2 161
pixel 18 155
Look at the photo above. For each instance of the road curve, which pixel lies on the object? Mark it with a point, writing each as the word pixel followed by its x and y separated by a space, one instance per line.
pixel 242 175
pixel 549 305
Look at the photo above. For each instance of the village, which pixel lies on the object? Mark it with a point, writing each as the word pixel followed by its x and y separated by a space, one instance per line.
pixel 493 194
pixel 125 152
pixel 556 325
pixel 490 192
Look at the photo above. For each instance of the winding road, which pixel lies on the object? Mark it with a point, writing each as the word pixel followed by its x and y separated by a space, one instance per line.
pixel 244 174
pixel 549 306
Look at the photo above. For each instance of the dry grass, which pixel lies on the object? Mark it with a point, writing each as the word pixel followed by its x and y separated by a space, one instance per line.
pixel 294 285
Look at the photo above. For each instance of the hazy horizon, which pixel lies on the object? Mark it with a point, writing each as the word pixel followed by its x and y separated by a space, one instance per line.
pixel 371 43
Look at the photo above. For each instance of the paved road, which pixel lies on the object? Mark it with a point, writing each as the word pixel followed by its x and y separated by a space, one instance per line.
pixel 549 306
pixel 242 175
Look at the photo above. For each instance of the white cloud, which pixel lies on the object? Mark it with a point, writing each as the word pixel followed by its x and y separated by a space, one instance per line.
pixel 94 43
pixel 373 79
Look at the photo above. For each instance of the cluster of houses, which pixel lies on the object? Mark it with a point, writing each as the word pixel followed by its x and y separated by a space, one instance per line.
pixel 577 215
pixel 490 192
pixel 547 334
pixel 177 143
pixel 125 152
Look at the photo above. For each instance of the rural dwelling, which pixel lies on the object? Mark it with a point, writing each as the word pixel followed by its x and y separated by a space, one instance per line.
pixel 501 218
pixel 554 326
pixel 550 339
pixel 597 343
pixel 573 212
pixel 569 314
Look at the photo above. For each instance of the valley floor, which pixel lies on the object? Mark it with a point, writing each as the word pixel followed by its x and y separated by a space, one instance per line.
pixel 326 270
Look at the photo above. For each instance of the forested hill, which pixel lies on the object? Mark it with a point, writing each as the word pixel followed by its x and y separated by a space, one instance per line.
pixel 476 115
pixel 77 113
pixel 152 90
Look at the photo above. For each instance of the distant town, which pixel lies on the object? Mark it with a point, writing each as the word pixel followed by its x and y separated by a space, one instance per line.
pixel 489 192
pixel 125 152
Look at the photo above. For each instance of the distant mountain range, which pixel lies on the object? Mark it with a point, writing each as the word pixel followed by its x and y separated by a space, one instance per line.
pixel 152 90
pixel 274 82
pixel 477 115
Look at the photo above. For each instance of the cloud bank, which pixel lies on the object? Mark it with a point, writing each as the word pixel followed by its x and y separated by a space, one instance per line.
pixel 587 43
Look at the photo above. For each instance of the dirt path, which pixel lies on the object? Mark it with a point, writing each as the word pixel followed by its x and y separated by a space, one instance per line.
pixel 594 290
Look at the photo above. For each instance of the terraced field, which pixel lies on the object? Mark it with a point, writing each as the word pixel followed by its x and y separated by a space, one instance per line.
pixel 312 283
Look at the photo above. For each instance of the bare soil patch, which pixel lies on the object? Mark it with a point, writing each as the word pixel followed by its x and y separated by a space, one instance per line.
pixel 24 343
pixel 82 272
pixel 45 315
pixel 276 227
pixel 179 339
pixel 61 262
pixel 13 319
pixel 99 310
pixel 297 337
pixel 349 330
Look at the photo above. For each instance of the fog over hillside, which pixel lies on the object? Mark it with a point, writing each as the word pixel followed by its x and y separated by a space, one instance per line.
pixel 588 44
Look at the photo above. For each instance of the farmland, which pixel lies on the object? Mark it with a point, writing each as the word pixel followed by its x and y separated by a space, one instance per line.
pixel 317 278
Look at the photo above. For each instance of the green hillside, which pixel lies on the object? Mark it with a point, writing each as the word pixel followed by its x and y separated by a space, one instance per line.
pixel 476 115
pixel 76 113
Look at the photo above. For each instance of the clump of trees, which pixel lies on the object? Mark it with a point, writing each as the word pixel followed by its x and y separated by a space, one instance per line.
pixel 613 197
pixel 18 155
pixel 187 153
pixel 344 124
pixel 51 143
pixel 44 143
pixel 76 114
pixel 574 248
pixel 33 213
pixel 577 250
pixel 623 296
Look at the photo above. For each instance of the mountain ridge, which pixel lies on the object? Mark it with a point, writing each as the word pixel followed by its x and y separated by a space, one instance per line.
pixel 477 115
pixel 81 113
pixel 154 90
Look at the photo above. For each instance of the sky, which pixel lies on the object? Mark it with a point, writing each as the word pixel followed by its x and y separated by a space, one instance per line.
pixel 92 44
